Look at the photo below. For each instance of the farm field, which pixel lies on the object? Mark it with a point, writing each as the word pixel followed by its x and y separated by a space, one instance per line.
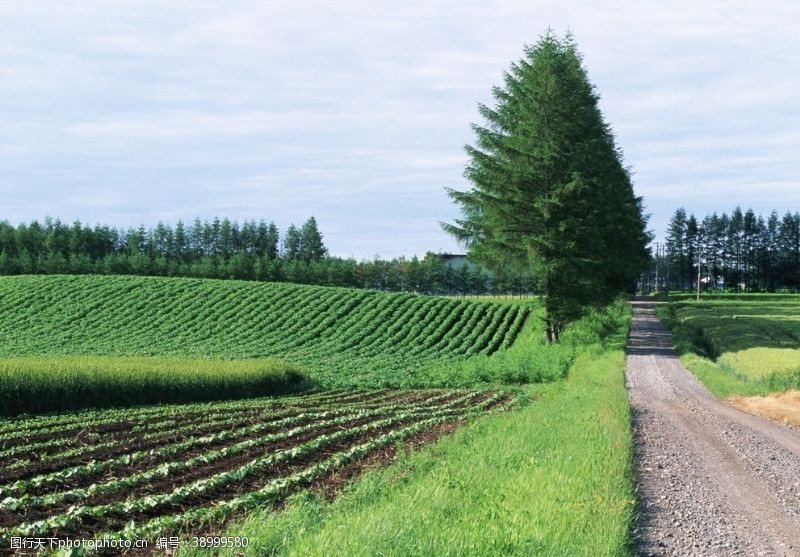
pixel 341 337
pixel 741 347
pixel 152 469
pixel 168 468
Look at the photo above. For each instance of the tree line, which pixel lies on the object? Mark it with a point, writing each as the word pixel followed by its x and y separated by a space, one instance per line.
pixel 743 251
pixel 225 249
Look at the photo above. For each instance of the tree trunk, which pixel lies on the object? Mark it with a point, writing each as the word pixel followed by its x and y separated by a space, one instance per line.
pixel 548 319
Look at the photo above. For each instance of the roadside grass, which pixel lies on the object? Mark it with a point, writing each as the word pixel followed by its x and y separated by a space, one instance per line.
pixel 739 348
pixel 553 477
pixel 38 384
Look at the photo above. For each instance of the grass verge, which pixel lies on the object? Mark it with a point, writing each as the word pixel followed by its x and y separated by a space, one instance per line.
pixel 550 478
pixel 40 384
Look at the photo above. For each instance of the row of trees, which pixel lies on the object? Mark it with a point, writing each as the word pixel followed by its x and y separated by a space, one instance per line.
pixel 550 191
pixel 57 244
pixel 228 250
pixel 740 251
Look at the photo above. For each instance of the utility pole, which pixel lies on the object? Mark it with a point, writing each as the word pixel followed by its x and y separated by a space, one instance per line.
pixel 658 264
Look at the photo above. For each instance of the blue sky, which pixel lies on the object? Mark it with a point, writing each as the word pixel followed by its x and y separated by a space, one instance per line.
pixel 357 112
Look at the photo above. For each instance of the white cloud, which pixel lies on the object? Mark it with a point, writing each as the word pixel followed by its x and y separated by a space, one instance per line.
pixel 357 111
pixel 177 124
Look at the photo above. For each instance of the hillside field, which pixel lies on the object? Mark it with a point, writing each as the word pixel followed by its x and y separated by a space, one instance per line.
pixel 338 336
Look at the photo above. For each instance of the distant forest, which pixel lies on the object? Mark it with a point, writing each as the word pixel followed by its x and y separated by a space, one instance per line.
pixel 740 251
pixel 225 249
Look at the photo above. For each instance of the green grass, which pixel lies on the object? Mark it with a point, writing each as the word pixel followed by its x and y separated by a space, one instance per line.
pixel 37 384
pixel 739 346
pixel 550 478
pixel 343 337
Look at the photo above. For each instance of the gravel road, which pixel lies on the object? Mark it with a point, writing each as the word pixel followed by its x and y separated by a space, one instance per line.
pixel 711 480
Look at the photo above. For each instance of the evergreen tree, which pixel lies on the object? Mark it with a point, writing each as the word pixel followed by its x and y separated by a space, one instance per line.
pixel 292 244
pixel 676 247
pixel 735 245
pixel 550 191
pixel 272 242
pixel 181 242
pixel 773 228
pixel 311 246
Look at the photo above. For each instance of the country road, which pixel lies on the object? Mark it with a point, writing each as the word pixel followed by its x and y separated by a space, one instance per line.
pixel 711 480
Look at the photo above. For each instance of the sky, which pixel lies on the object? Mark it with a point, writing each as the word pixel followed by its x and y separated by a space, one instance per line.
pixel 128 113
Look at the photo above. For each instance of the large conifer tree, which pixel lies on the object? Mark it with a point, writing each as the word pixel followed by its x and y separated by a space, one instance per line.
pixel 550 191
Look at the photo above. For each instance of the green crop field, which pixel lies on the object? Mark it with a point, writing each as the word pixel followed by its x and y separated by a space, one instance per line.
pixel 154 468
pixel 343 337
pixel 740 345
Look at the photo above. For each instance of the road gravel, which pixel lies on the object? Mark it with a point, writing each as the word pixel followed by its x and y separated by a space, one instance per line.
pixel 711 479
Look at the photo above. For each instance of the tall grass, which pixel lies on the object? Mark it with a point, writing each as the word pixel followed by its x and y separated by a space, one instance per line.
pixel 45 384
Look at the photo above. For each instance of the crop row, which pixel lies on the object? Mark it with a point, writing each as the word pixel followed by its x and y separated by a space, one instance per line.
pixel 150 418
pixel 167 468
pixel 229 425
pixel 276 451
pixel 229 431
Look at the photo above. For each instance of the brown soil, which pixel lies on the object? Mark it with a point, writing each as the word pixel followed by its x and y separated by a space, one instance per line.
pixel 114 522
pixel 208 414
pixel 128 445
pixel 155 459
pixel 168 483
pixel 135 443
pixel 331 485
pixel 81 432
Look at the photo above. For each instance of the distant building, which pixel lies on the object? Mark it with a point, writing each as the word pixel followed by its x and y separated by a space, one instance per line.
pixel 453 261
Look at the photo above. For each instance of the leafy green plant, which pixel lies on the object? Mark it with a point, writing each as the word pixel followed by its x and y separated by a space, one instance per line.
pixel 338 337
